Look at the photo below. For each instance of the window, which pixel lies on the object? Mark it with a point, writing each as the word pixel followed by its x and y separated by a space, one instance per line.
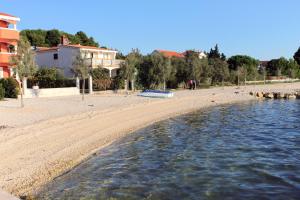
pixel 55 56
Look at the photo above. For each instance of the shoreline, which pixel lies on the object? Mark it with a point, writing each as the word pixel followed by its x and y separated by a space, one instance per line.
pixel 52 147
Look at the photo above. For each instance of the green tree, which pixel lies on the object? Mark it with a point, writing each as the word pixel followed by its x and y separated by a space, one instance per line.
pixel 206 74
pixel 215 53
pixel 52 37
pixel 81 68
pixel 120 56
pixel 194 65
pixel 2 92
pixel 24 62
pixel 131 66
pixel 49 38
pixel 244 65
pixel 101 79
pixel 48 74
pixel 278 67
pixel 181 71
pixel 220 71
pixel 158 70
pixel 35 37
pixel 167 72
pixel 297 56
pixel 85 40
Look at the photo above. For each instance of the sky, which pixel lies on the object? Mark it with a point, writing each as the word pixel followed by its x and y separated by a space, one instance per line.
pixel 263 29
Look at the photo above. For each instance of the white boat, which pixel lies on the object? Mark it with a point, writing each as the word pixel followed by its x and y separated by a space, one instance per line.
pixel 156 94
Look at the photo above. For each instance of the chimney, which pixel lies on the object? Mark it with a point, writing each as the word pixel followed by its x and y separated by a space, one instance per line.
pixel 64 40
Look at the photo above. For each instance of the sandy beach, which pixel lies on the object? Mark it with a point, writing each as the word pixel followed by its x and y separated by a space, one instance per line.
pixel 52 135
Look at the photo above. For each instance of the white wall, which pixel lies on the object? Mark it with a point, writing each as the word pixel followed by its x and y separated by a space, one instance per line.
pixel 66 57
pixel 45 59
pixel 51 92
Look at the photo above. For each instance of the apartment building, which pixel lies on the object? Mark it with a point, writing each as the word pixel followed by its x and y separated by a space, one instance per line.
pixel 63 56
pixel 9 37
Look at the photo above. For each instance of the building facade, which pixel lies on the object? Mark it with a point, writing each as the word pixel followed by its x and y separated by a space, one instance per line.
pixel 9 37
pixel 64 55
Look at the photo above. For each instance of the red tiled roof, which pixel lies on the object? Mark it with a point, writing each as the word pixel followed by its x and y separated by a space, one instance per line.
pixel 170 54
pixel 86 47
pixel 4 14
pixel 44 49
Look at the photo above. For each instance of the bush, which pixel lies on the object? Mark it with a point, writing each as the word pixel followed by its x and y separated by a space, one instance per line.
pixel 44 83
pixel 2 92
pixel 101 79
pixel 11 87
pixel 50 78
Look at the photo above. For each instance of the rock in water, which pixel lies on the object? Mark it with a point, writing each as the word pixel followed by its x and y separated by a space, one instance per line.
pixel 278 95
pixel 269 95
pixel 259 95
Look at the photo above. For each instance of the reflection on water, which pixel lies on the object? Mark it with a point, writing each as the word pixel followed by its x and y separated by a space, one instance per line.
pixel 244 151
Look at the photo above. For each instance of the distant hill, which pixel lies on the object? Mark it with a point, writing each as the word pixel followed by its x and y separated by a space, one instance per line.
pixel 51 38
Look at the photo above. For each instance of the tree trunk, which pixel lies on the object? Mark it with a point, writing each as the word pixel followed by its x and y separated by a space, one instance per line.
pixel 132 85
pixel 83 88
pixel 223 83
pixel 21 94
pixel 264 76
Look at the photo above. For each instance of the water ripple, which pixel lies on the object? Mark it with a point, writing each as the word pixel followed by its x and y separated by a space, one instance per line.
pixel 243 151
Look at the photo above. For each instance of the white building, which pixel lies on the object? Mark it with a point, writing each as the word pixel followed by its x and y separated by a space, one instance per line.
pixel 202 54
pixel 64 55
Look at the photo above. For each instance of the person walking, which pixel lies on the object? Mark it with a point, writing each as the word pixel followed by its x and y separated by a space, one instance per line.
pixel 194 84
pixel 190 84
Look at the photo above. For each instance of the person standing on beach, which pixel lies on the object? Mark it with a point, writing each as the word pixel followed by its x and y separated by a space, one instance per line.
pixel 190 84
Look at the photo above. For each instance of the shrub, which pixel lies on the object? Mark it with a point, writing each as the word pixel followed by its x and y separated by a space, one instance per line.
pixel 50 78
pixel 11 87
pixel 60 83
pixel 101 79
pixel 2 92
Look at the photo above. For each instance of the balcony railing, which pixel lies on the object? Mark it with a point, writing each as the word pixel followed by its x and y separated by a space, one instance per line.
pixel 106 63
pixel 5 58
pixel 9 34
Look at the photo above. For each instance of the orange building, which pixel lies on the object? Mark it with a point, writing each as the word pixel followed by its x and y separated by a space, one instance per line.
pixel 9 36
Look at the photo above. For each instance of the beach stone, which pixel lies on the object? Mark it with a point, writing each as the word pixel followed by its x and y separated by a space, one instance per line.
pixel 251 93
pixel 269 95
pixel 259 95
pixel 278 95
pixel 289 96
pixel 286 95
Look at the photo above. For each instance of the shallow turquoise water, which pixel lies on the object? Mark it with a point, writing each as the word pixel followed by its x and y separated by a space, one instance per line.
pixel 243 151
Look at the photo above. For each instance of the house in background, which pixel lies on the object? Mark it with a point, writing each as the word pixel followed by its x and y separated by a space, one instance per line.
pixel 170 54
pixel 64 55
pixel 9 37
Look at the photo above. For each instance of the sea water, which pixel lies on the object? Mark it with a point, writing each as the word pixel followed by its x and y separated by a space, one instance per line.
pixel 241 151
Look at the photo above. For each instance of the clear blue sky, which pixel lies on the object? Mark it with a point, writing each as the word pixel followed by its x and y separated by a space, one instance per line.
pixel 260 28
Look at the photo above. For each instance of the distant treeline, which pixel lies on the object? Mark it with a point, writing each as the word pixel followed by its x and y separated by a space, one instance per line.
pixel 156 71
pixel 51 38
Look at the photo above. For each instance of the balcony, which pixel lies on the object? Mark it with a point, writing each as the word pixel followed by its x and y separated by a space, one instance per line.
pixel 9 34
pixel 5 58
pixel 106 63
